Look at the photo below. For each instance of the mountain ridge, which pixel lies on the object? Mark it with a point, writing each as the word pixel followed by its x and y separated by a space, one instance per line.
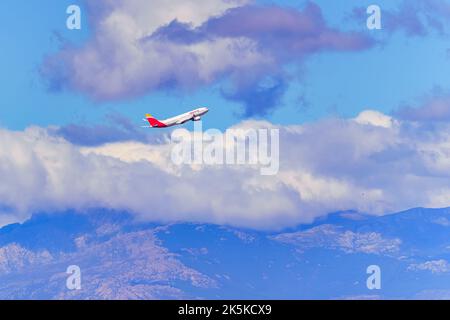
pixel 120 258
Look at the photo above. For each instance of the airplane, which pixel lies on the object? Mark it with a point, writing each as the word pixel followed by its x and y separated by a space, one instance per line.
pixel 194 115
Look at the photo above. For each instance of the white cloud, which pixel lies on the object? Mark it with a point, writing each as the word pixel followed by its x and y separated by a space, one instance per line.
pixel 142 46
pixel 121 61
pixel 150 15
pixel 324 167
pixel 435 266
pixel 375 118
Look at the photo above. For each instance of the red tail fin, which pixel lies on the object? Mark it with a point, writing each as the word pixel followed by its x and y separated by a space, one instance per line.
pixel 154 122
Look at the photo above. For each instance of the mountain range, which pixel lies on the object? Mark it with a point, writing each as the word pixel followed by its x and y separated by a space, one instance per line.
pixel 121 258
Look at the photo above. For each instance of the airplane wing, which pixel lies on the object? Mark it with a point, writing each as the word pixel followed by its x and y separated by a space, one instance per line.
pixel 184 119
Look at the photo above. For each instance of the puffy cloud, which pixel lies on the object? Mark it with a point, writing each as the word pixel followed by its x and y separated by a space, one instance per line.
pixel 434 108
pixel 325 166
pixel 283 32
pixel 150 15
pixel 141 46
pixel 375 118
pixel 435 266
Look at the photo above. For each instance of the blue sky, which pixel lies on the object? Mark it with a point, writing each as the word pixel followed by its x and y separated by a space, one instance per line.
pixel 364 115
pixel 399 71
pixel 363 118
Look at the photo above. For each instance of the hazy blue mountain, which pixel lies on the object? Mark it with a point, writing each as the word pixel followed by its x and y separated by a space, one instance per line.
pixel 122 259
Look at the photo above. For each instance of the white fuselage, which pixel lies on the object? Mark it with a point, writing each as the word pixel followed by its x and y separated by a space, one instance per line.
pixel 193 115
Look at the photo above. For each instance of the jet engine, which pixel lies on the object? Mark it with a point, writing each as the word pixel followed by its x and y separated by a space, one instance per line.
pixel 196 118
